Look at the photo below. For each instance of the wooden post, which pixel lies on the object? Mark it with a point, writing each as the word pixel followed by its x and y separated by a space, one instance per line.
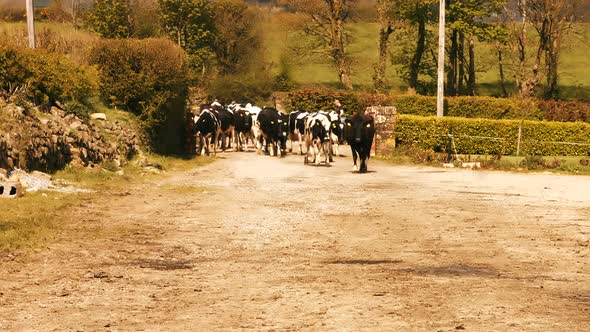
pixel 31 23
pixel 441 61
pixel 519 139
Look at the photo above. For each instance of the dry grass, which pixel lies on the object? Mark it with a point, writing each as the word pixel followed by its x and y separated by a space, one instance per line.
pixel 54 37
pixel 38 218
pixel 35 218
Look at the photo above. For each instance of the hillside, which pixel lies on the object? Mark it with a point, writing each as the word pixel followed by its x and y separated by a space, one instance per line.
pixel 574 66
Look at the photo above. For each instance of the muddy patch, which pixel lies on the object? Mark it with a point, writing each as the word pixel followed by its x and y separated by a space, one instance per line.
pixel 453 270
pixel 164 264
pixel 380 186
pixel 488 193
pixel 364 261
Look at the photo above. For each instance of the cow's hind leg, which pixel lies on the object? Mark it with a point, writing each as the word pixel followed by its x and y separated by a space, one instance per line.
pixel 354 157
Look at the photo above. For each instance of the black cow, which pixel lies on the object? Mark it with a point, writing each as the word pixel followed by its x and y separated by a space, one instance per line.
pixel 207 129
pixel 359 132
pixel 297 128
pixel 243 128
pixel 273 128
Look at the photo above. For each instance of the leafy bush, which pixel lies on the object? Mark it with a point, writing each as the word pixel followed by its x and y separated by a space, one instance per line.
pixel 45 78
pixel 533 162
pixel 564 111
pixel 485 136
pixel 321 98
pixel 148 77
pixel 495 108
pixel 464 106
pixel 241 89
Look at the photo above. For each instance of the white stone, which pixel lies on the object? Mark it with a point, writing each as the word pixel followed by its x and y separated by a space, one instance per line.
pixel 473 165
pixel 98 116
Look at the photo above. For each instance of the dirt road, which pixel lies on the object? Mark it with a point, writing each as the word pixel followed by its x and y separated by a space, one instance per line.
pixel 260 243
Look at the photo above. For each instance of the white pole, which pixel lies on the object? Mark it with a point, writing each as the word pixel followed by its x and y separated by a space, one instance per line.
pixel 30 23
pixel 441 61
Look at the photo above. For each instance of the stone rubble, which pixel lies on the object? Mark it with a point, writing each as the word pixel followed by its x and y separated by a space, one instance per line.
pixel 49 141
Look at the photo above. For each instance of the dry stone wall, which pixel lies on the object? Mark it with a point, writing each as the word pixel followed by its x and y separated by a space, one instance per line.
pixel 385 118
pixel 49 141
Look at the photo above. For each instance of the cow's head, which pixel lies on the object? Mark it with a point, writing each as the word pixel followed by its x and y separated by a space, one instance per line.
pixel 336 129
pixel 358 128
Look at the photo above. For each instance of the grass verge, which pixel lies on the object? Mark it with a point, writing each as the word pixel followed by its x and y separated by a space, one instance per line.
pixel 39 217
pixel 574 165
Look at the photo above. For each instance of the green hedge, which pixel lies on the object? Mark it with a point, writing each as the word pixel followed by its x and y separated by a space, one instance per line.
pixel 148 77
pixel 485 136
pixel 322 98
pixel 464 106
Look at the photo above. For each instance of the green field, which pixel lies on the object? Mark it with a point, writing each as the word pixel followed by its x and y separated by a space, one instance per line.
pixel 574 65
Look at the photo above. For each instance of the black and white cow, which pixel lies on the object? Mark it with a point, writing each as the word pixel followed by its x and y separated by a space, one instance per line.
pixel 359 132
pixel 336 129
pixel 207 129
pixel 243 129
pixel 297 128
pixel 253 111
pixel 317 138
pixel 273 130
pixel 226 126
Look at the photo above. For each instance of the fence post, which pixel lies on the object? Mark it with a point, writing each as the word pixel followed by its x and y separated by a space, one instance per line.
pixel 519 138
pixel 450 145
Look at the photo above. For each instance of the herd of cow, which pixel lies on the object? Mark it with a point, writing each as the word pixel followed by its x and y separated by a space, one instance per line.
pixel 269 129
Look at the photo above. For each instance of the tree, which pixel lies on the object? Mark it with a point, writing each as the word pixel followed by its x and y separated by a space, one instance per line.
pixel 552 19
pixel 142 13
pixel 417 14
pixel 110 18
pixel 466 23
pixel 388 21
pixel 236 37
pixel 190 24
pixel 326 25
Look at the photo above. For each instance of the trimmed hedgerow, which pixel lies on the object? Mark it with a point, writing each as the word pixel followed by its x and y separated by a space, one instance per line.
pixel 564 111
pixel 486 136
pixel 464 106
pixel 321 98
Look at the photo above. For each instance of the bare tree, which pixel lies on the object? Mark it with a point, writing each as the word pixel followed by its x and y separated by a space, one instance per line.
pixel 326 24
pixel 552 19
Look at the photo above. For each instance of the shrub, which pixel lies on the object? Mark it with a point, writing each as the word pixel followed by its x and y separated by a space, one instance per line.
pixel 241 89
pixel 485 136
pixel 564 111
pixel 495 108
pixel 463 106
pixel 533 162
pixel 321 98
pixel 45 78
pixel 148 77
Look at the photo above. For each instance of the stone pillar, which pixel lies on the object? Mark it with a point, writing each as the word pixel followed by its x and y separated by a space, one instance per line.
pixel 385 118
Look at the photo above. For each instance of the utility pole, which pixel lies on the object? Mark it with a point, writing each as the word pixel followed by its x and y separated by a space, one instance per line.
pixel 30 23
pixel 441 61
